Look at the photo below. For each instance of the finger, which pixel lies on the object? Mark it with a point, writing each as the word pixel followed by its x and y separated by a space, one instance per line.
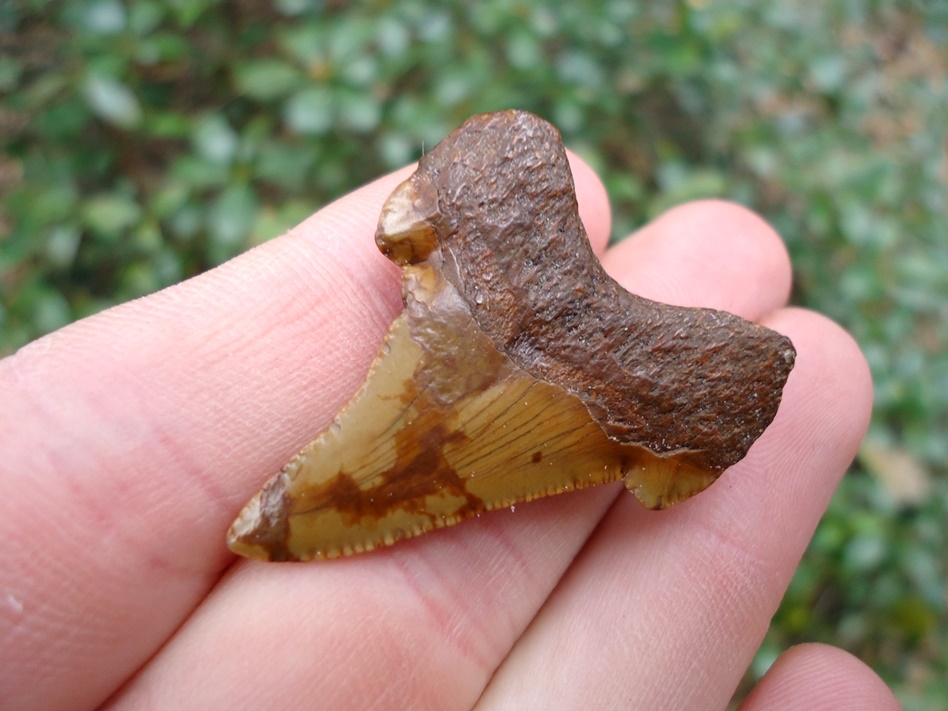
pixel 131 439
pixel 661 262
pixel 815 677
pixel 593 202
pixel 668 608
pixel 430 619
pixel 137 432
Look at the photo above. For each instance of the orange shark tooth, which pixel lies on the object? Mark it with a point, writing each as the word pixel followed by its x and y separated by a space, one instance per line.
pixel 518 368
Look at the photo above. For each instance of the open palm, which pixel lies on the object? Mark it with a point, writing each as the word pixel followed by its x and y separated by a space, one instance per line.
pixel 129 440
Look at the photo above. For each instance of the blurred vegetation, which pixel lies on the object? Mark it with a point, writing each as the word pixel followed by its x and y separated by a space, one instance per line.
pixel 145 141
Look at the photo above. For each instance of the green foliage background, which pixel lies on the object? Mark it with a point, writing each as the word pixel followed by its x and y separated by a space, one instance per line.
pixel 145 141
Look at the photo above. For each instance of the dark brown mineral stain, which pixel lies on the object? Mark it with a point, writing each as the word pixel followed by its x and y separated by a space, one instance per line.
pixel 420 470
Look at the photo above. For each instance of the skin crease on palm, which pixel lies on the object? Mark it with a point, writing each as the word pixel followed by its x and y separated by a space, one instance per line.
pixel 130 439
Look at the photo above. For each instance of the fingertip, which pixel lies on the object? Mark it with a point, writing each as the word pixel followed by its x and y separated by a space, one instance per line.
pixel 706 253
pixel 594 209
pixel 831 369
pixel 818 676
pixel 788 477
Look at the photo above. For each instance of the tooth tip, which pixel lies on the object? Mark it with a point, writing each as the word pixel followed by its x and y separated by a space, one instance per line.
pixel 260 530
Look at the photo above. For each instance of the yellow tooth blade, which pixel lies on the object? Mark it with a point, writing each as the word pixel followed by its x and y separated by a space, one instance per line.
pixel 415 451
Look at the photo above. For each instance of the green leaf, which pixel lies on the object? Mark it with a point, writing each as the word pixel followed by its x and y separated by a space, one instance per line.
pixel 267 79
pixel 197 173
pixel 523 50
pixel 101 17
pixel 10 71
pixel 829 73
pixel 51 310
pixel 358 112
pixel 110 214
pixel 168 124
pixel 168 198
pixel 215 140
pixel 310 111
pixel 62 243
pixel 112 101
pixel 393 37
pixel 285 165
pixel 306 43
pixel 186 223
pixel 187 12
pixel 299 7
pixel 161 47
pixel 144 16
pixel 231 218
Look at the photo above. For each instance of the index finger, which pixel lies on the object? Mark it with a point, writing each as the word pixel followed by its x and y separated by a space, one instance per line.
pixel 131 439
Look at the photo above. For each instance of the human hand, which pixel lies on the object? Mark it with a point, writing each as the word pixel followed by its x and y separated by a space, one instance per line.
pixel 131 439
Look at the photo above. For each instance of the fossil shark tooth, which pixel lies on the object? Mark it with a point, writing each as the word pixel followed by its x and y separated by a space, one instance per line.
pixel 518 368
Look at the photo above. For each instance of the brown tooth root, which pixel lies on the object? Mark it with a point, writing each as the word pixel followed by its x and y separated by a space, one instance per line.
pixel 518 368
